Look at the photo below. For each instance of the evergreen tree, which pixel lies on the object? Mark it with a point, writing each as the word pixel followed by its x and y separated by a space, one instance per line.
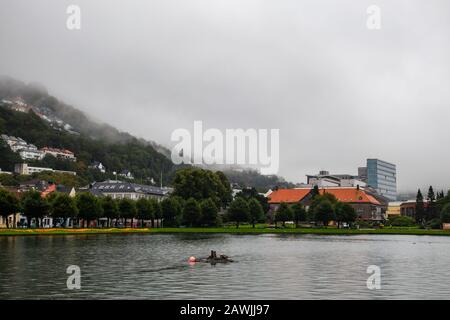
pixel 315 192
pixel 420 208
pixel 431 205
pixel 445 214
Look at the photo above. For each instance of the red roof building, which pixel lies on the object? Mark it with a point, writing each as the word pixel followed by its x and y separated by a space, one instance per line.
pixel 366 205
pixel 288 195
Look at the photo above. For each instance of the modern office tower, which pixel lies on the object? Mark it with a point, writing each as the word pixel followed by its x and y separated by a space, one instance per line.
pixel 382 176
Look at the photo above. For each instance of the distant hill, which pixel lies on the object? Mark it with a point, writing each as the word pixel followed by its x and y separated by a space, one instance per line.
pixel 37 95
pixel 252 178
pixel 46 121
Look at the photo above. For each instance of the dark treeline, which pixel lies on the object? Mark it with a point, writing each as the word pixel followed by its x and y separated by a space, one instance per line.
pixel 198 197
pixel 433 209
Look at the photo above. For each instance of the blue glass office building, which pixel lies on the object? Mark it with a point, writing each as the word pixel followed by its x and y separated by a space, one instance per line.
pixel 382 176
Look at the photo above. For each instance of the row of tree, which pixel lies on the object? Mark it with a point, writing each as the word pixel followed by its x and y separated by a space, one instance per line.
pixel 323 209
pixel 435 209
pixel 84 207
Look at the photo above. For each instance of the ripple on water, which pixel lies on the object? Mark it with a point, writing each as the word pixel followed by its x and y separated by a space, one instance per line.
pixel 268 267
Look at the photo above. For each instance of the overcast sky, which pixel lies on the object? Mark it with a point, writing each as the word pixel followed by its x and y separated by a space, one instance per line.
pixel 338 92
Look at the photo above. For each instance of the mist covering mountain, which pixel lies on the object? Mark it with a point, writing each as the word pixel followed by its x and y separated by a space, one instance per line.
pixel 37 95
pixel 91 140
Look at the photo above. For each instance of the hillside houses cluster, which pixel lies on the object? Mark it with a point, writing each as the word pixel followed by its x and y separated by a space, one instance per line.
pixel 28 151
pixel 19 105
pixel 125 173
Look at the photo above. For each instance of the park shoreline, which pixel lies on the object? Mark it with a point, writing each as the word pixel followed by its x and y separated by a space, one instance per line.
pixel 227 230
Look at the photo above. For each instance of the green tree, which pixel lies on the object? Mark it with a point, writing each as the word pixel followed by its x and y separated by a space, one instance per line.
pixel 344 213
pixel 89 207
pixel 34 206
pixel 202 184
pixel 127 209
pixel 249 193
pixel 9 204
pixel 256 211
pixel 144 210
pixel 209 212
pixel 445 213
pixel 420 208
pixel 63 206
pixel 171 212
pixel 157 212
pixel 401 221
pixel 284 213
pixel 225 192
pixel 431 212
pixel 324 212
pixel 8 158
pixel 110 209
pixel 299 213
pixel 315 192
pixel 238 211
pixel 191 213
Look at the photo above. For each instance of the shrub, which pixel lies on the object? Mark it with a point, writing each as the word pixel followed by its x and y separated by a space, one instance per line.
pixel 445 213
pixel 434 224
pixel 363 223
pixel 402 221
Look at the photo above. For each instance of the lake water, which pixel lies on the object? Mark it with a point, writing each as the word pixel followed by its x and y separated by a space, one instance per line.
pixel 149 266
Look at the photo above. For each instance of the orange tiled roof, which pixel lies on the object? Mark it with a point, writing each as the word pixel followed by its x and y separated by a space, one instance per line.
pixel 288 195
pixel 352 195
pixel 56 150
pixel 50 189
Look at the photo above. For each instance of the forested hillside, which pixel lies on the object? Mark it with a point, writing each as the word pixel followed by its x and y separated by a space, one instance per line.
pixel 141 159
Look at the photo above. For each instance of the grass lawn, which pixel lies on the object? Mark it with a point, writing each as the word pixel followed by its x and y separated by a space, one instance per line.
pixel 244 229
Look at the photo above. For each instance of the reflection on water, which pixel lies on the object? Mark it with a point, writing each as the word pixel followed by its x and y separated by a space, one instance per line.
pixel 269 266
